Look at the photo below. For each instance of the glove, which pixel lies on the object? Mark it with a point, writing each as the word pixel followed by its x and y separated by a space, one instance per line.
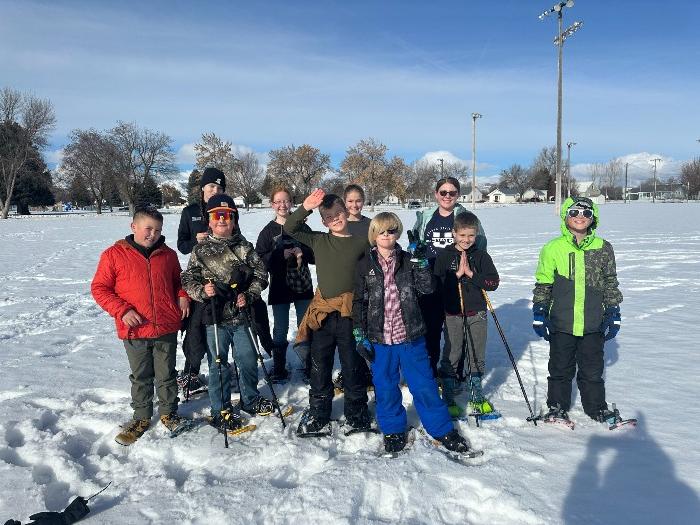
pixel 611 322
pixel 540 321
pixel 76 511
pixel 418 249
pixel 241 276
pixel 227 292
pixel 364 346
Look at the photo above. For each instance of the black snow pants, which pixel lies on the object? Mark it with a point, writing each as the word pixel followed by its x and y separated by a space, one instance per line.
pixel 194 346
pixel 567 353
pixel 336 331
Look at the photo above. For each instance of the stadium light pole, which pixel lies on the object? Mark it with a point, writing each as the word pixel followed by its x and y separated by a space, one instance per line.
pixel 568 167
pixel 442 167
pixel 653 197
pixel 559 40
pixel 474 117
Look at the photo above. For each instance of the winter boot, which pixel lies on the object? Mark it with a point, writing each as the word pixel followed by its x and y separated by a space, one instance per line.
pixel 394 442
pixel 478 404
pixel 260 407
pixel 190 382
pixel 132 431
pixel 313 426
pixel 454 442
pixel 279 357
pixel 227 421
pixel 360 422
pixel 448 395
pixel 556 412
pixel 607 416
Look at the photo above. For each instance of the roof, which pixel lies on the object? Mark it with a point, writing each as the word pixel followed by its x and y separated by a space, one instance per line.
pixel 505 192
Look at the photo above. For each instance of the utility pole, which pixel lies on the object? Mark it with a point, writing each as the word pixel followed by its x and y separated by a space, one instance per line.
pixel 653 197
pixel 626 190
pixel 442 167
pixel 474 117
pixel 568 167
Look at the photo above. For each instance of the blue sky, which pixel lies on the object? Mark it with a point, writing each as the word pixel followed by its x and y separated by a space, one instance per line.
pixel 268 74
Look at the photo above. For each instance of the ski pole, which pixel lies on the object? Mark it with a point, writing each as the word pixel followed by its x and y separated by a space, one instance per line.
pixel 510 355
pixel 466 332
pixel 224 412
pixel 249 332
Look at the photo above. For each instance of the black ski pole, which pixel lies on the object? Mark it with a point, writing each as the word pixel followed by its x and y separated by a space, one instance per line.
pixel 465 346
pixel 249 332
pixel 510 355
pixel 224 411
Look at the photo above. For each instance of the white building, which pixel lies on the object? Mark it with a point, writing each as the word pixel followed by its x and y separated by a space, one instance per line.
pixel 535 195
pixel 590 190
pixel 466 198
pixel 503 196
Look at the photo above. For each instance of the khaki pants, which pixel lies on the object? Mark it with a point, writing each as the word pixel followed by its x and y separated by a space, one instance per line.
pixel 152 360
pixel 453 355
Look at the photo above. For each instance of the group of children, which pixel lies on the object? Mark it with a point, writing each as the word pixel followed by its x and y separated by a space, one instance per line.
pixel 370 304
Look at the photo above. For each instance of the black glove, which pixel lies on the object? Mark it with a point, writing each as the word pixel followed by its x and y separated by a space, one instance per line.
pixel 418 249
pixel 225 291
pixel 76 511
pixel 364 347
pixel 241 276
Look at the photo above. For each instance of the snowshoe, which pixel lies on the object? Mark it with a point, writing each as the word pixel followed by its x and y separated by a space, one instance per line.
pixel 360 423
pixel 176 424
pixel 191 385
pixel 613 419
pixel 395 445
pixel 557 416
pixel 132 431
pixel 230 422
pixel 484 410
pixel 311 426
pixel 260 407
pixel 454 447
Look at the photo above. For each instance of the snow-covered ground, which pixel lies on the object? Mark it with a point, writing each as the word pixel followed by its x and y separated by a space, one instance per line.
pixel 64 388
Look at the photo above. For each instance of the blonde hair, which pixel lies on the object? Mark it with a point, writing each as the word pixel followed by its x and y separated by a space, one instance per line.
pixel 381 222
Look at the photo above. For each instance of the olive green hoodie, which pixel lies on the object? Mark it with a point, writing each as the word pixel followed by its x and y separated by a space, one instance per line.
pixel 576 281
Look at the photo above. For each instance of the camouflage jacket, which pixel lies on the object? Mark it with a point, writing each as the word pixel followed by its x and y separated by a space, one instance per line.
pixel 219 260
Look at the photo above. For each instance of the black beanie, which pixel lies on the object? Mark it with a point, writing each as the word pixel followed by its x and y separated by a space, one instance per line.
pixel 213 175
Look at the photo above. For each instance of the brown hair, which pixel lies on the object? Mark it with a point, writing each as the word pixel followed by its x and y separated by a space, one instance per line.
pixel 465 220
pixel 278 189
pixel 447 180
pixel 354 187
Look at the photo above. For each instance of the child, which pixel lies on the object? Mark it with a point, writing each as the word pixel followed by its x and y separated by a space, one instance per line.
pixel 577 308
pixel 390 334
pixel 138 283
pixel 227 274
pixel 464 271
pixel 283 254
pixel 354 197
pixel 329 316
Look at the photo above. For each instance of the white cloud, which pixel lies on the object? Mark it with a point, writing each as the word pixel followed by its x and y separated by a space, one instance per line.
pixel 640 167
pixel 185 155
pixel 54 157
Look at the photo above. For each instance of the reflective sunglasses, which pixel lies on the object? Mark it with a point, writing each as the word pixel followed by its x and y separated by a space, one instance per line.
pixel 390 231
pixel 574 212
pixel 445 193
pixel 219 215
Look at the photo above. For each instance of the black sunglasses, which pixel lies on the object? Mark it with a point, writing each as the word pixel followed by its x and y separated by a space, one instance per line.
pixel 390 231
pixel 445 193
pixel 574 212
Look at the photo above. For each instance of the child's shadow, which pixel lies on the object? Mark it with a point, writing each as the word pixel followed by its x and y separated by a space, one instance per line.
pixel 628 479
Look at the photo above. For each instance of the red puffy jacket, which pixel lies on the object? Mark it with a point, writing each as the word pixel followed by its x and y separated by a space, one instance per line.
pixel 126 280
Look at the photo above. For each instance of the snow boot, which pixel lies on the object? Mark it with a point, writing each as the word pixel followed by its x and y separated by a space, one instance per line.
pixel 556 412
pixel 191 382
pixel 454 442
pixel 394 442
pixel 476 394
pixel 312 426
pixel 132 431
pixel 360 422
pixel 449 385
pixel 260 407
pixel 279 359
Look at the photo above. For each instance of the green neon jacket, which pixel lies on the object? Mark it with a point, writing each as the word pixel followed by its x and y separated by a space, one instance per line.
pixel 577 282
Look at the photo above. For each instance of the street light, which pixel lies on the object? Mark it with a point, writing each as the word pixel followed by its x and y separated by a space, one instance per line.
pixel 562 35
pixel 442 167
pixel 568 167
pixel 474 117
pixel 653 197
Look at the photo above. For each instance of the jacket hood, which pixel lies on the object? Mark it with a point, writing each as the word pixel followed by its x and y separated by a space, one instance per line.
pixel 570 203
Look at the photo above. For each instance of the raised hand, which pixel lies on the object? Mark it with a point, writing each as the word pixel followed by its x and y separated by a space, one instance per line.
pixel 314 199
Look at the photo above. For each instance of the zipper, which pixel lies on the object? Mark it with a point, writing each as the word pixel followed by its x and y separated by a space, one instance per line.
pixel 153 300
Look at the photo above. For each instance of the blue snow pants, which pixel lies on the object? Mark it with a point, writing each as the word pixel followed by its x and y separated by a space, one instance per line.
pixel 412 359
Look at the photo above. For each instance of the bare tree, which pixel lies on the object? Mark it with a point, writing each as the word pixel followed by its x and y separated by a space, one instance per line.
pixel 299 168
pixel 91 157
pixel 245 177
pixel 610 180
pixel 422 179
pixel 690 176
pixel 212 151
pixel 544 169
pixel 516 178
pixel 28 120
pixel 142 154
pixel 365 163
pixel 397 173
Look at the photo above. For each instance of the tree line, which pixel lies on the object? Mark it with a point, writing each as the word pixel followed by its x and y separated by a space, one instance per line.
pixel 132 164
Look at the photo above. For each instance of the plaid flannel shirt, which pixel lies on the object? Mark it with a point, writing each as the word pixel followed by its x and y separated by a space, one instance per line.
pixel 394 329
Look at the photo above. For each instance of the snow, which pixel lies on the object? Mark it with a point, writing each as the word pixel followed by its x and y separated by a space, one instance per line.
pixel 64 388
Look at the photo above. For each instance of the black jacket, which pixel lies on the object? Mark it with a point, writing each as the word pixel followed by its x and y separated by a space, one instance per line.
pixel 368 299
pixel 191 223
pixel 485 278
pixel 270 246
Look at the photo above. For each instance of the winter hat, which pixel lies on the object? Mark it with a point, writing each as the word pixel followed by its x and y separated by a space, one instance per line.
pixel 213 175
pixel 221 202
pixel 583 203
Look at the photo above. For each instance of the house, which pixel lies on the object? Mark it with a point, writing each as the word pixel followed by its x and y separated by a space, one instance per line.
pixel 532 195
pixel 590 190
pixel 664 191
pixel 503 196
pixel 389 199
pixel 466 198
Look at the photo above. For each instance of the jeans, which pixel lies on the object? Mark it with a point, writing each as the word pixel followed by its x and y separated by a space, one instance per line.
pixel 280 314
pixel 412 359
pixel 245 357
